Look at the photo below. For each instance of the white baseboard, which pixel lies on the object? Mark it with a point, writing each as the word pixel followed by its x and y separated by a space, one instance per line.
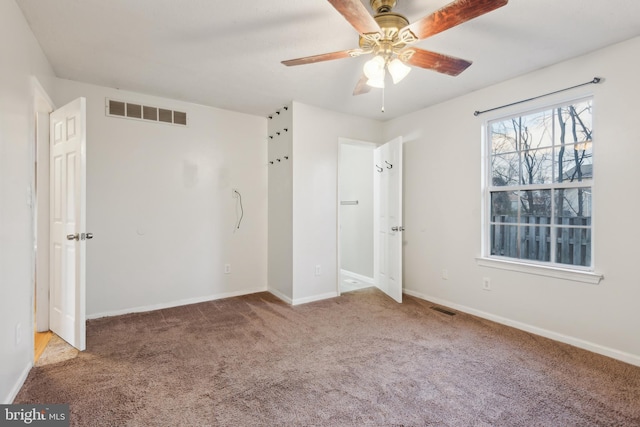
pixel 18 385
pixel 358 277
pixel 280 295
pixel 305 300
pixel 171 304
pixel 576 342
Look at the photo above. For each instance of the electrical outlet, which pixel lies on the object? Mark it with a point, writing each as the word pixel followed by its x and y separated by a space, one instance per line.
pixel 318 270
pixel 445 274
pixel 486 283
pixel 227 269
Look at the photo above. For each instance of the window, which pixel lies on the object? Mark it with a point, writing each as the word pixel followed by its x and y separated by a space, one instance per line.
pixel 539 186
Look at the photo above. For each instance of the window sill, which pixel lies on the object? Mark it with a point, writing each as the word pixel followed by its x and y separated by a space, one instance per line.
pixel 542 270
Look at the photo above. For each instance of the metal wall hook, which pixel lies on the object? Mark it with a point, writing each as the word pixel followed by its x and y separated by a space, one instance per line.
pixel 285 108
pixel 379 168
pixel 390 165
pixel 270 136
pixel 278 160
pixel 270 162
pixel 278 133
pixel 286 130
pixel 286 157
pixel 278 112
pixel 270 117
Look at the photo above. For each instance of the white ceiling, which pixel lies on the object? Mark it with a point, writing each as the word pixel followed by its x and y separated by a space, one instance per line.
pixel 227 54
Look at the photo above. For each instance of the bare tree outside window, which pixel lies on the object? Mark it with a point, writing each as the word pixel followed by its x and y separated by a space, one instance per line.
pixel 541 166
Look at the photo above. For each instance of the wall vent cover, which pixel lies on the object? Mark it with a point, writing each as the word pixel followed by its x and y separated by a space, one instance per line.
pixel 135 111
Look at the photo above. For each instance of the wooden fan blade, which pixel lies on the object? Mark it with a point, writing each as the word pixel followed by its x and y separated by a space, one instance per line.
pixel 361 86
pixel 318 58
pixel 455 13
pixel 435 61
pixel 357 15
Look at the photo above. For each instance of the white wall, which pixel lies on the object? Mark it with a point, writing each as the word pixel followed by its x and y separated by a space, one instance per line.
pixel 443 204
pixel 280 246
pixel 315 204
pixel 356 221
pixel 21 58
pixel 160 205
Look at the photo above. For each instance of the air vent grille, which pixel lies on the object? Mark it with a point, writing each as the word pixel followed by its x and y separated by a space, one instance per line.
pixel 117 108
pixel 165 115
pixel 179 118
pixel 134 110
pixel 443 311
pixel 145 112
pixel 150 113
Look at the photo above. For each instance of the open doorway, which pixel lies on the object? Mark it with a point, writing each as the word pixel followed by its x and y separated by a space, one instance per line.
pixel 42 106
pixel 355 215
pixel 370 216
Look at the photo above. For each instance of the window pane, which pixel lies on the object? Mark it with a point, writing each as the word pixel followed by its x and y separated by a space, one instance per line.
pixel 522 133
pixel 574 123
pixel 537 166
pixel 504 240
pixel 505 169
pixel 575 162
pixel 504 206
pixel 535 203
pixel 535 241
pixel 535 130
pixel 503 137
pixel 573 206
pixel 573 246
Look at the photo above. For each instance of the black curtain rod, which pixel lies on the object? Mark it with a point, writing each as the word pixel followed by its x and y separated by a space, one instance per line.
pixel 594 81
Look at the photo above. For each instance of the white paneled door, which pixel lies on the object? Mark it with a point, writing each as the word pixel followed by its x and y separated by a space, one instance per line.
pixel 387 192
pixel 68 219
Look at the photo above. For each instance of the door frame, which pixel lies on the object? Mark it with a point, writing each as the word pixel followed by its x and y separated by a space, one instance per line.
pixel 39 193
pixel 345 141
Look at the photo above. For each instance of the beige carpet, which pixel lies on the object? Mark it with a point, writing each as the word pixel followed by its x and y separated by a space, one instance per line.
pixel 357 360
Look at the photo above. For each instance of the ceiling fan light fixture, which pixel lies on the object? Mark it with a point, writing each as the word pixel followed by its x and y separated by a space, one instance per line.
pixel 374 68
pixel 386 34
pixel 398 70
pixel 377 81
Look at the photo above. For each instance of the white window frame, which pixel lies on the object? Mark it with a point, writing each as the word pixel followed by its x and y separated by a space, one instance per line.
pixel 586 274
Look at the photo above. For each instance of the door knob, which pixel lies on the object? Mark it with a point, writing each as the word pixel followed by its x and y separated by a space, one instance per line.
pixel 73 237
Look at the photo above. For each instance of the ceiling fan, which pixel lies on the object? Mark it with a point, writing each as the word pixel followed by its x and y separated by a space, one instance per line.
pixel 389 37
